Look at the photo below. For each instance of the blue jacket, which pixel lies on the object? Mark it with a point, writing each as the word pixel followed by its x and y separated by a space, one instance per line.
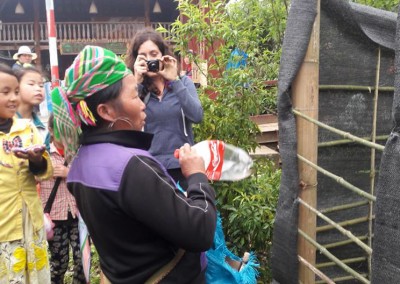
pixel 170 120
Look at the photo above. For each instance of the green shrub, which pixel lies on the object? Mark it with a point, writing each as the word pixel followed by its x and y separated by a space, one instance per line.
pixel 256 27
pixel 247 209
pixel 94 269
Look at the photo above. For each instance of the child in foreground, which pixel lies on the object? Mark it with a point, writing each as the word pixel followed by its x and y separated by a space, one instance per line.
pixel 23 245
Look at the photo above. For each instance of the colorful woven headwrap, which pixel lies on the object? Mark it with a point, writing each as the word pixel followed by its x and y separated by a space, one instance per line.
pixel 94 69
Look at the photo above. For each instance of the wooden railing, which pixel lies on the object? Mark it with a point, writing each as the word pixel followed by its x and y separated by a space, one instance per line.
pixel 16 33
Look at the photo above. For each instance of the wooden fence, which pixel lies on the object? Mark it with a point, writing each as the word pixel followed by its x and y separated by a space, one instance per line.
pixel 18 33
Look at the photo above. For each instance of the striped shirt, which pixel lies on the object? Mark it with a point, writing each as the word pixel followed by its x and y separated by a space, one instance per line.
pixel 64 201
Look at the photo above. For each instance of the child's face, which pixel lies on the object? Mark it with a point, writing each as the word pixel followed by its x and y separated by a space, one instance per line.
pixel 56 143
pixel 9 97
pixel 186 60
pixel 31 88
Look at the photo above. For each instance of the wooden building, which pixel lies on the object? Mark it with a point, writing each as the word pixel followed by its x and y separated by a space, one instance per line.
pixel 107 23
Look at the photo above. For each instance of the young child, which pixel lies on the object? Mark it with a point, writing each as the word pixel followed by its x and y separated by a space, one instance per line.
pixel 187 65
pixel 23 245
pixel 31 90
pixel 64 215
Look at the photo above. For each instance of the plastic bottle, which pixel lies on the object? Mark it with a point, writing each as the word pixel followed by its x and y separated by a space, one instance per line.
pixel 223 161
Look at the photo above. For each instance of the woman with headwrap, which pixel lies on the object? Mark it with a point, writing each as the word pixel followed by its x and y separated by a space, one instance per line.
pixel 142 226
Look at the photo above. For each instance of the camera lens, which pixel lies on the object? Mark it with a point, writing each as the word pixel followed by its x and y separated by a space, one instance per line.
pixel 153 65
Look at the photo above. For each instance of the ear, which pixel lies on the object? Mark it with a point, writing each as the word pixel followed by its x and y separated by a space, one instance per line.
pixel 106 112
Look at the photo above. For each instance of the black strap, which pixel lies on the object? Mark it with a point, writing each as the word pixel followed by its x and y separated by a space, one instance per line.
pixel 146 98
pixel 53 193
pixel 166 269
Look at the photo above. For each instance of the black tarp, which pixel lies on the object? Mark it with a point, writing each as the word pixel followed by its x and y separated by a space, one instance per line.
pixel 386 247
pixel 350 37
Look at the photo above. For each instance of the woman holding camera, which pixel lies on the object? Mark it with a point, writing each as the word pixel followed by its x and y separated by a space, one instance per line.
pixel 172 103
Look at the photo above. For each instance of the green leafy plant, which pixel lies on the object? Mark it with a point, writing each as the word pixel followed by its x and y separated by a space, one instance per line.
pixel 388 5
pixel 248 210
pixel 252 26
pixel 94 270
pixel 231 97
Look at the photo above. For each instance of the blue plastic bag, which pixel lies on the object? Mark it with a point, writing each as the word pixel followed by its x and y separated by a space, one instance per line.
pixel 221 272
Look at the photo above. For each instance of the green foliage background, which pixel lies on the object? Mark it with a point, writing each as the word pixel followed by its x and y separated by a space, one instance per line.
pixel 388 5
pixel 247 207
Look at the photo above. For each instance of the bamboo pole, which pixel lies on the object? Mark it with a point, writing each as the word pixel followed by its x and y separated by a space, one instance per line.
pixel 342 230
pixel 343 207
pixel 316 271
pixel 340 132
pixel 325 252
pixel 339 180
pixel 373 140
pixel 344 223
pixel 305 96
pixel 346 261
pixel 339 279
pixel 355 88
pixel 347 141
pixel 343 243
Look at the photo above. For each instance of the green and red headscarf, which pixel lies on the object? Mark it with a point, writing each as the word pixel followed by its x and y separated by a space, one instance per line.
pixel 94 69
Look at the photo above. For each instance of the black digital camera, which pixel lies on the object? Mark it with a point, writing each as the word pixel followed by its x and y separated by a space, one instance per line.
pixel 153 65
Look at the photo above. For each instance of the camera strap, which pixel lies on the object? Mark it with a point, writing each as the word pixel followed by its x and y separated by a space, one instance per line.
pixel 53 193
pixel 146 98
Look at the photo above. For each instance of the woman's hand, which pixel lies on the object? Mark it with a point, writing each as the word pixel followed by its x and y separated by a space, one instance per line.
pixel 169 68
pixel 140 68
pixel 190 161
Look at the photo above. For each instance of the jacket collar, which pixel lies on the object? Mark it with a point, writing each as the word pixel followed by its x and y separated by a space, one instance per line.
pixel 20 124
pixel 126 138
pixel 36 120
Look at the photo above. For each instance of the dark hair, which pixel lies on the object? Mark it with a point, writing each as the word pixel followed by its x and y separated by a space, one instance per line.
pixel 50 121
pixel 132 53
pixel 108 94
pixel 7 69
pixel 23 71
pixel 141 37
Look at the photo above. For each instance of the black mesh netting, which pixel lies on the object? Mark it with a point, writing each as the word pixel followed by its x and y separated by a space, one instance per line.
pixel 350 38
pixel 385 256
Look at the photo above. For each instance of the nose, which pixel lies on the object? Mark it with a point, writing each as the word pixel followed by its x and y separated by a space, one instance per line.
pixel 39 87
pixel 143 105
pixel 14 96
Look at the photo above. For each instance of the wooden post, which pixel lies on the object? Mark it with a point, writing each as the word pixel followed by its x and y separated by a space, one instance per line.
pixel 36 32
pixel 147 22
pixel 51 30
pixel 305 99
